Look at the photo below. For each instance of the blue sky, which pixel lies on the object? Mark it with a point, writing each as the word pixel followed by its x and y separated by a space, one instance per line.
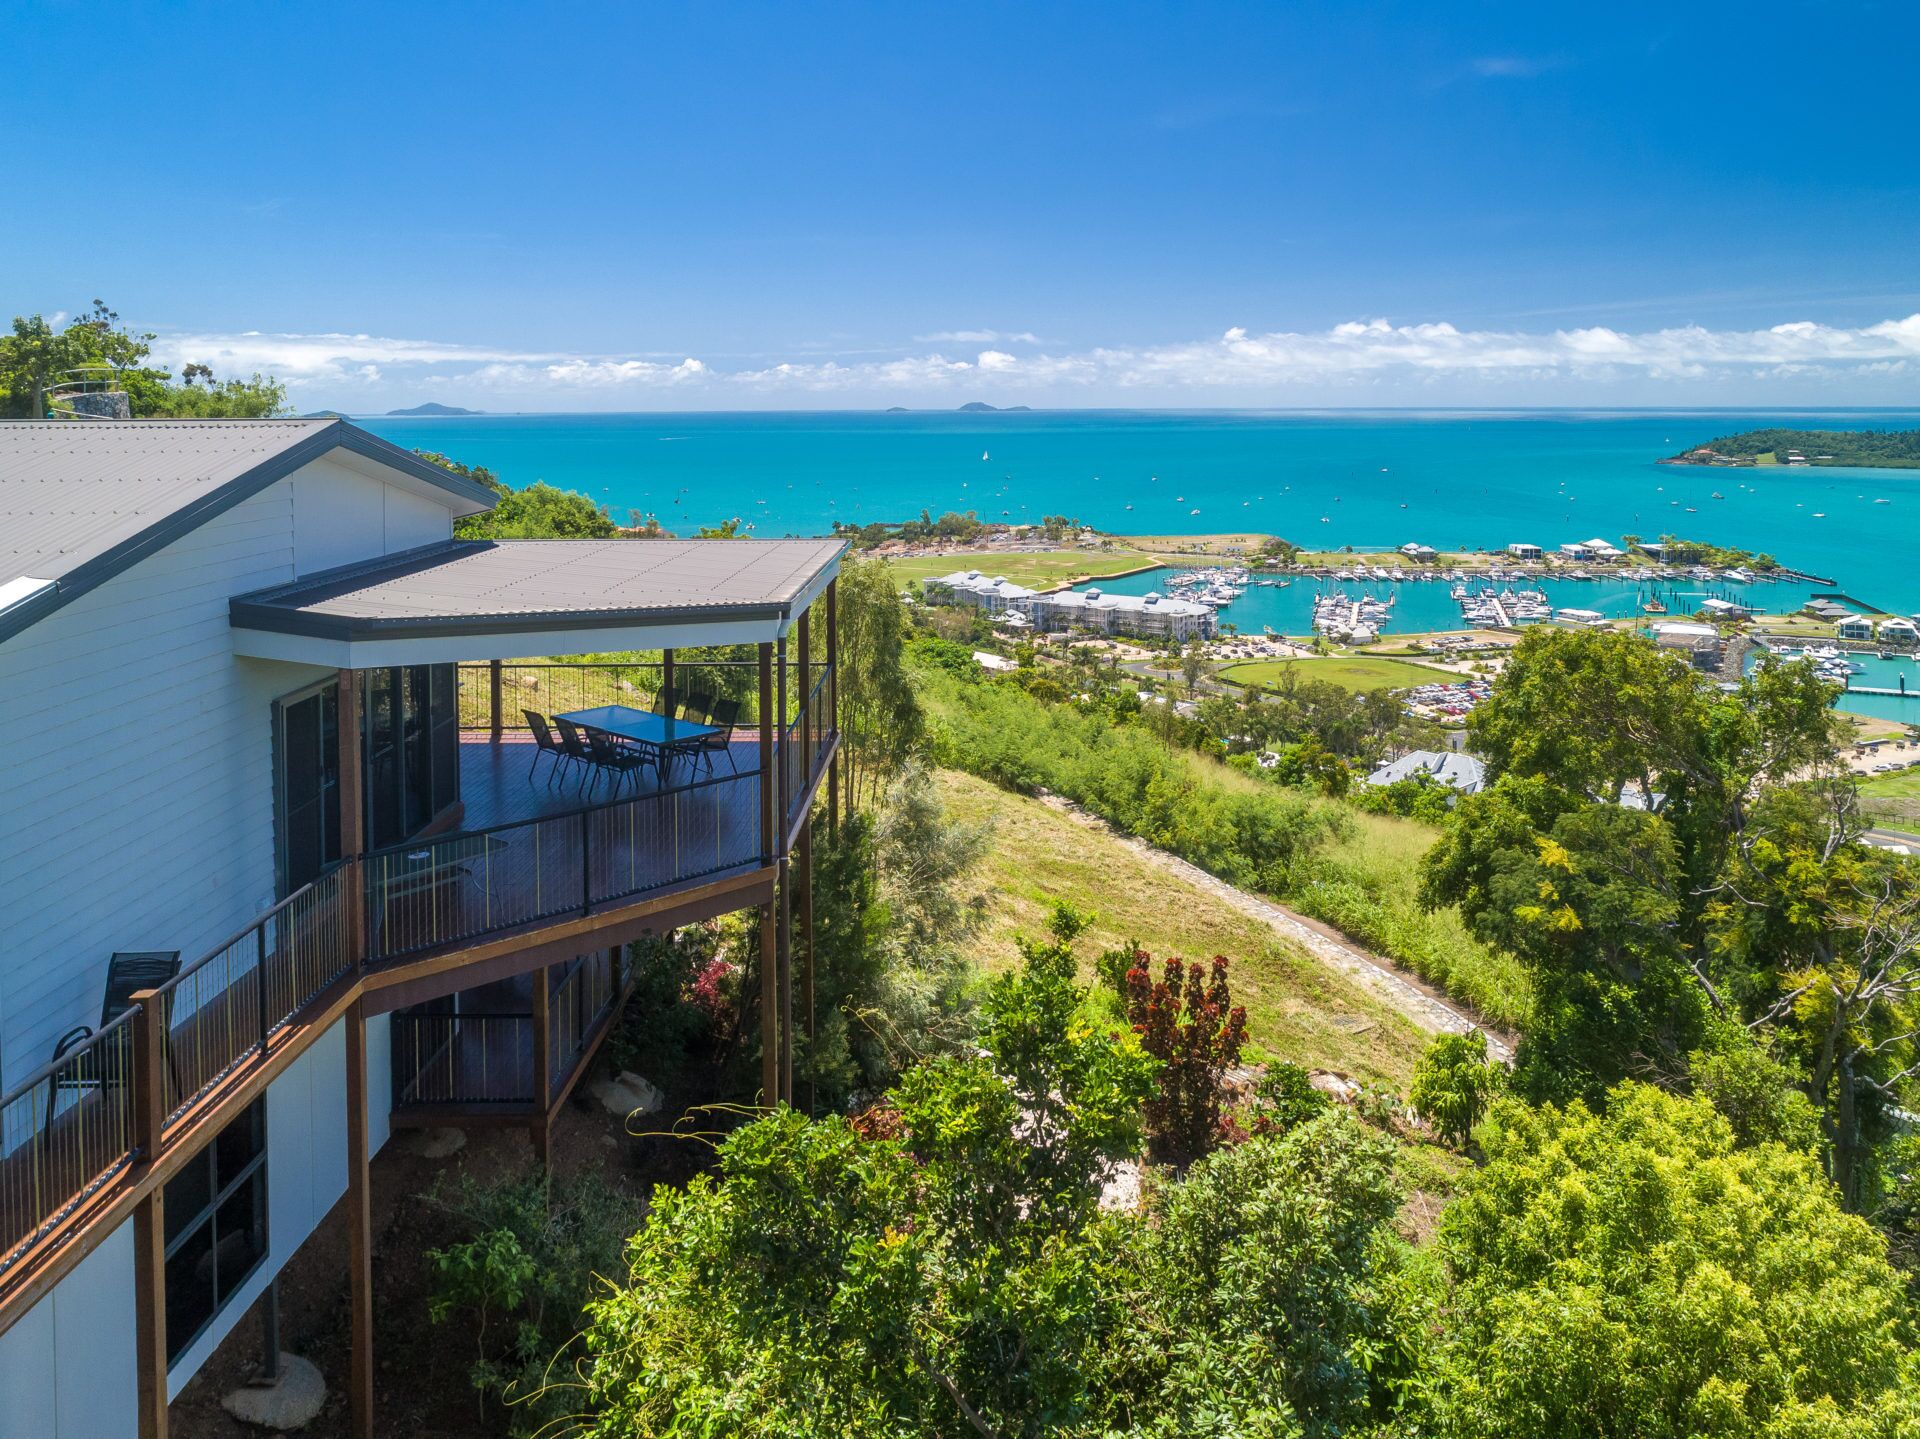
pixel 797 205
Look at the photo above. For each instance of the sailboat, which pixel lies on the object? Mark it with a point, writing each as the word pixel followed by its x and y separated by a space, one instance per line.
pixel 985 456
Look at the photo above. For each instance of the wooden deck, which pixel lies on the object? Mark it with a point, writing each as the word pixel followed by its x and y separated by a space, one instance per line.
pixel 536 847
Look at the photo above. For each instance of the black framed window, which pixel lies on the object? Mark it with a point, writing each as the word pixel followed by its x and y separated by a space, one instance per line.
pixel 216 1226
pixel 307 773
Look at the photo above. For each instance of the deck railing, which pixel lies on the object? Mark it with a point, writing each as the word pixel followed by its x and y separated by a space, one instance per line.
pixel 441 1057
pixel 445 890
pixel 228 1006
pixel 65 1132
pixel 557 688
pixel 575 1008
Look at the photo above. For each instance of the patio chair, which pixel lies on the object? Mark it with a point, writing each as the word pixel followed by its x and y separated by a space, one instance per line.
pixel 696 707
pixel 544 743
pixel 616 760
pixel 571 744
pixel 724 715
pixel 128 972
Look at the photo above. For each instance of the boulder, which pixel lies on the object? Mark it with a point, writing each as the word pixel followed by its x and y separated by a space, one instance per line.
pixel 626 1093
pixel 288 1403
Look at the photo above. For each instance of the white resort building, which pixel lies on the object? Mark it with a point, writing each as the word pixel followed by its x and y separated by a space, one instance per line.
pixel 1149 616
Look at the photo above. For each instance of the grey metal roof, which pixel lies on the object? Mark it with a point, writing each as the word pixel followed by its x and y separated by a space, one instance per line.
pixel 1464 772
pixel 81 500
pixel 504 586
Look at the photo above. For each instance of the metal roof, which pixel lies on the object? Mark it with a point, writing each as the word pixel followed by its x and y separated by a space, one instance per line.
pixel 510 586
pixel 81 500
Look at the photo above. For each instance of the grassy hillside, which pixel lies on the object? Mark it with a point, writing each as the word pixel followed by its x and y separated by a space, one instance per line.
pixel 1297 1008
pixel 1359 673
pixel 1036 571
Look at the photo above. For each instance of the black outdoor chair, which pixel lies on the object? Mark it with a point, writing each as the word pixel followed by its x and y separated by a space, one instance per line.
pixel 128 972
pixel 544 743
pixel 571 744
pixel 696 707
pixel 724 715
pixel 614 760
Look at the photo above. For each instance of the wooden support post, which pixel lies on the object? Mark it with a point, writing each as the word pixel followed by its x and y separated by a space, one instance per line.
pixel 769 960
pixel 353 814
pixel 149 1216
pixel 806 941
pixel 833 703
pixel 359 1228
pixel 786 979
pixel 542 1065
pixel 494 698
pixel 809 722
pixel 666 682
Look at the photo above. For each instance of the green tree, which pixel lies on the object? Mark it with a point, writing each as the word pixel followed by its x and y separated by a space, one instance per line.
pixel 880 720
pixel 1453 1083
pixel 35 357
pixel 1635 1273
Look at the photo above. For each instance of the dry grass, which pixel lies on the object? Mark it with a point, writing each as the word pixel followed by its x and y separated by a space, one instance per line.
pixel 1297 1009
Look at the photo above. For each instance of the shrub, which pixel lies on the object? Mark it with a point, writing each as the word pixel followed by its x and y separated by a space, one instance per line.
pixel 1453 1084
pixel 1187 1021
pixel 1284 1098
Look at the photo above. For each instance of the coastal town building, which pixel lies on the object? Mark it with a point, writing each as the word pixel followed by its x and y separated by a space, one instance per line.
pixel 1462 772
pixel 1592 552
pixel 995 595
pixel 1700 643
pixel 295 864
pixel 1148 616
pixel 1854 627
pixel 1721 609
pixel 1524 552
pixel 1420 554
pixel 1898 633
pixel 1579 618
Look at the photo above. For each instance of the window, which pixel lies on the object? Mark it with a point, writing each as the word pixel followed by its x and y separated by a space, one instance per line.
pixel 216 1226
pixel 307 765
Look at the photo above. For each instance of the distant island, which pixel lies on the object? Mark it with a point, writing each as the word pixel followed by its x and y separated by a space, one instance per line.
pixel 433 408
pixel 1879 449
pixel 325 415
pixel 979 407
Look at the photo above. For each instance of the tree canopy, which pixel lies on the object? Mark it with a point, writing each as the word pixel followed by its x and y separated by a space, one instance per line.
pixel 37 355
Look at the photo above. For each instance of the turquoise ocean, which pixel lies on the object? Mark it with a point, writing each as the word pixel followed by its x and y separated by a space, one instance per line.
pixel 1372 480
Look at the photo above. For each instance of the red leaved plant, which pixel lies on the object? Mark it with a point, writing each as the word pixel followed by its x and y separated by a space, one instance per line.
pixel 1188 1021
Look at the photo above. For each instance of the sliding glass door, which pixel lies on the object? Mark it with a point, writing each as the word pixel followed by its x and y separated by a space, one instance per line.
pixel 411 734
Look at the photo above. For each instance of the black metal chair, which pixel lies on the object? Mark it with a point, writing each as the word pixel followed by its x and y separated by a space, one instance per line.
pixel 615 760
pixel 572 745
pixel 696 707
pixel 544 743
pixel 128 972
pixel 724 715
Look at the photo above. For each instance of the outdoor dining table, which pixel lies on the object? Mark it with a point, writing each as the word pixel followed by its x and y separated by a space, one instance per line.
pixel 660 735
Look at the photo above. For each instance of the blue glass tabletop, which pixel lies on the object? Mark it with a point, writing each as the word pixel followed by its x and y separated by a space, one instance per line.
pixel 642 726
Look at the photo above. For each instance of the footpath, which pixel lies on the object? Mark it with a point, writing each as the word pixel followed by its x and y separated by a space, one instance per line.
pixel 1412 996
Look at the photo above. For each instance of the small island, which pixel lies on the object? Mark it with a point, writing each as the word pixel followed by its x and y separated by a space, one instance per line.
pixel 433 407
pixel 1874 449
pixel 981 407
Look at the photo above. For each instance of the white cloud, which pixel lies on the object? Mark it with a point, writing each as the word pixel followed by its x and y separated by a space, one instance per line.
pixel 978 337
pixel 1426 362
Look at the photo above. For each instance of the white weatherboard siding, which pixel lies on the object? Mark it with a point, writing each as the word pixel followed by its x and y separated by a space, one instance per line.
pixel 82 1333
pixel 68 1366
pixel 136 799
pixel 339 512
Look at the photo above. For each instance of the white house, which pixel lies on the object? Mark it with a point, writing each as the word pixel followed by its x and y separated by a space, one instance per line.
pixel 1591 552
pixel 1700 643
pixel 1854 627
pixel 274 834
pixel 996 596
pixel 1524 551
pixel 1419 553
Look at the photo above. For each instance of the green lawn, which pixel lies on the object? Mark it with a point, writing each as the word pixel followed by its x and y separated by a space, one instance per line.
pixel 1297 1008
pixel 1035 571
pixel 1359 673
pixel 1893 798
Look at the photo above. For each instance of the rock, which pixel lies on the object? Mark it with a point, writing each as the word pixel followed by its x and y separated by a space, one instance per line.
pixel 289 1403
pixel 435 1143
pixel 626 1093
pixel 529 682
pixel 1337 1086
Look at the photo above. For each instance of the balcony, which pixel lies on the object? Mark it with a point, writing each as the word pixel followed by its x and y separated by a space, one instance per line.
pixel 534 850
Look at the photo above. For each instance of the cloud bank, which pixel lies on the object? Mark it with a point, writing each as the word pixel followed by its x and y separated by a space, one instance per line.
pixel 1360 362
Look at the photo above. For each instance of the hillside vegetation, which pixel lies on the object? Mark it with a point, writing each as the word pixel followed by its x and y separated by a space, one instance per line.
pixel 1879 449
